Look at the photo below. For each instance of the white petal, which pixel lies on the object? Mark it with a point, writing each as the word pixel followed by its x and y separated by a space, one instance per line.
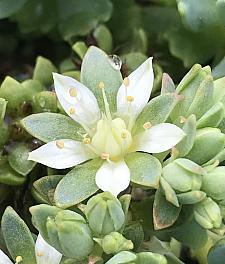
pixel 140 87
pixel 83 107
pixel 113 177
pixel 61 154
pixel 4 259
pixel 46 254
pixel 158 138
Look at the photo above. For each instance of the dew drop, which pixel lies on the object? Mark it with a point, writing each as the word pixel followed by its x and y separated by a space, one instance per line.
pixel 115 62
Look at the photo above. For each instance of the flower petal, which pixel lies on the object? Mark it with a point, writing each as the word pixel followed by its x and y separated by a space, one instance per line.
pixel 61 154
pixel 4 259
pixel 136 87
pixel 158 138
pixel 46 254
pixel 77 100
pixel 113 177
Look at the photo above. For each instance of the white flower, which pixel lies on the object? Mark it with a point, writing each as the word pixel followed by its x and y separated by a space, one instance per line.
pixel 107 137
pixel 45 254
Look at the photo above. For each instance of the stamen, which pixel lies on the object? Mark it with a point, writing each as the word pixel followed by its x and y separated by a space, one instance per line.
pixel 72 111
pixel 101 85
pixel 19 259
pixel 126 82
pixel 130 98
pixel 73 92
pixel 182 119
pixel 105 155
pixel 147 125
pixel 87 140
pixel 124 135
pixel 40 253
pixel 60 144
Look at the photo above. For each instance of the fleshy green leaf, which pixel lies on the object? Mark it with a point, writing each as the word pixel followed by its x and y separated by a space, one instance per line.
pixel 191 197
pixel 87 16
pixel 193 14
pixel 208 142
pixel 43 71
pixel 218 71
pixel 44 188
pixel 165 214
pixel 213 117
pixel 122 258
pixel 8 7
pixel 98 67
pixel 104 38
pixel 18 159
pixel 187 142
pixel 144 168
pixel 217 253
pixel 9 176
pixel 17 236
pixel 191 234
pixel 3 104
pixel 78 184
pixel 169 192
pixel 51 126
pixel 156 111
pixel 40 213
pixel 168 85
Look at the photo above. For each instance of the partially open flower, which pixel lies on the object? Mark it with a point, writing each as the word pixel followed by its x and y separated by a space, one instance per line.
pixel 107 137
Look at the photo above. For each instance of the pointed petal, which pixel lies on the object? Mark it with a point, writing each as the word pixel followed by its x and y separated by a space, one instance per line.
pixel 46 254
pixel 77 100
pixel 61 154
pixel 158 138
pixel 138 87
pixel 113 177
pixel 4 259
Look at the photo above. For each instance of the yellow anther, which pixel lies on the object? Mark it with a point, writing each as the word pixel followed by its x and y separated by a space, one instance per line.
pixel 130 98
pixel 105 156
pixel 147 125
pixel 86 140
pixel 174 152
pixel 126 81
pixel 182 119
pixel 60 144
pixel 124 135
pixel 72 111
pixel 101 85
pixel 40 254
pixel 73 92
pixel 18 259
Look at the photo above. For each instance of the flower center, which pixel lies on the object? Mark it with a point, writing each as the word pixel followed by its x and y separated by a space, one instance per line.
pixel 111 139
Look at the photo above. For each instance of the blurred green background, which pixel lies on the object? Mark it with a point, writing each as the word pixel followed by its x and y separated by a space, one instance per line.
pixel 176 33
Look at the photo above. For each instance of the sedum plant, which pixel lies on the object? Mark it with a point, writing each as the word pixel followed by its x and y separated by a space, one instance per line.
pixel 146 182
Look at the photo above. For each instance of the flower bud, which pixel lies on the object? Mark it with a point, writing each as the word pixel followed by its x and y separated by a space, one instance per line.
pixel 207 214
pixel 44 102
pixel 196 85
pixel 104 213
pixel 65 230
pixel 208 142
pixel 183 175
pixel 124 257
pixel 114 243
pixel 213 183
pixel 149 257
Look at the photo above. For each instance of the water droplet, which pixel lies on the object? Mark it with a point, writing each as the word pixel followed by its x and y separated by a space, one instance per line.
pixel 115 62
